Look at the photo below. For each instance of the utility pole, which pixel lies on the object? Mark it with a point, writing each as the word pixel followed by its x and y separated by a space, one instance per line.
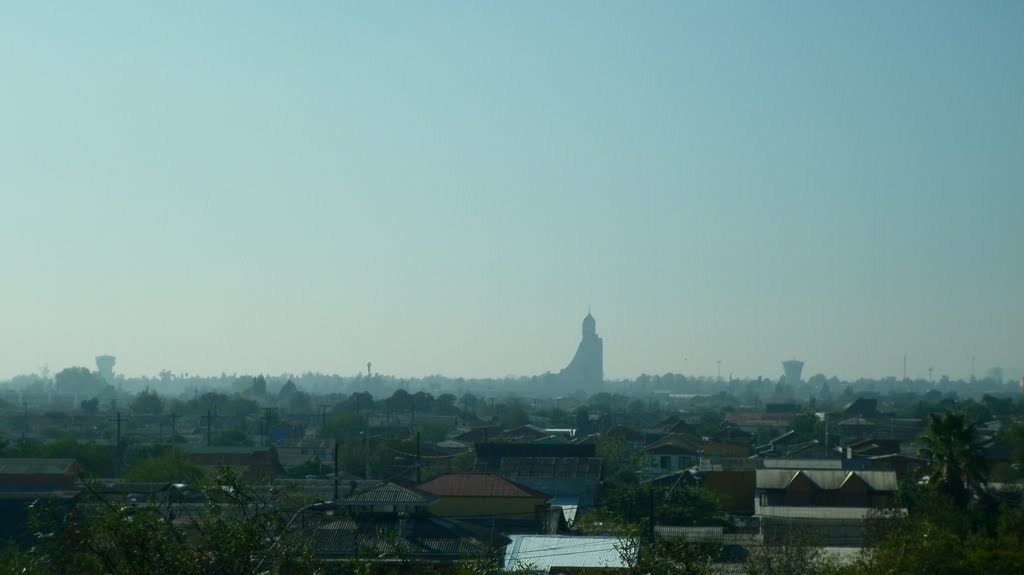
pixel 209 429
pixel 174 432
pixel 335 469
pixel 266 425
pixel 117 460
pixel 323 415
pixel 366 451
pixel 418 480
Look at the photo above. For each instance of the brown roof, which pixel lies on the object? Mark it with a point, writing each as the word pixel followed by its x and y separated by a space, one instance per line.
pixel 477 485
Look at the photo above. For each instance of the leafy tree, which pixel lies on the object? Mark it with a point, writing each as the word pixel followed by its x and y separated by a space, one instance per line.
pixel 313 467
pixel 432 431
pixel 362 400
pixel 79 380
pixel 445 404
pixel 171 466
pixel 678 557
pixel 147 402
pixel 792 550
pixel 808 426
pixel 233 438
pixel 514 416
pixel 259 385
pixel 956 461
pixel 343 425
pixel 619 461
pixel 673 505
pixel 90 406
pixel 928 542
pixel 239 531
pixel 95 460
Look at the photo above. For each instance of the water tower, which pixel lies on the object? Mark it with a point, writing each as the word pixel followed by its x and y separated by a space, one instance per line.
pixel 792 368
pixel 105 365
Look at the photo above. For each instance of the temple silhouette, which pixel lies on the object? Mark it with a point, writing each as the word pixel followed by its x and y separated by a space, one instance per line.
pixel 586 370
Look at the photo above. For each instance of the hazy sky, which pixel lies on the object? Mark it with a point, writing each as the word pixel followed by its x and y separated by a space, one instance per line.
pixel 444 187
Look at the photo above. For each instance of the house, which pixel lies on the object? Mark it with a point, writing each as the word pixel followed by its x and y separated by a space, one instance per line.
pixel 752 422
pixel 672 453
pixel 293 452
pixel 870 447
pixel 526 433
pixel 29 482
pixel 392 523
pixel 832 504
pixel 562 477
pixel 38 474
pixel 489 455
pixel 490 497
pixel 250 462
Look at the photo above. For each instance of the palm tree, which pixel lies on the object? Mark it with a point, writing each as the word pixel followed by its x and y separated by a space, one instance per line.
pixel 956 462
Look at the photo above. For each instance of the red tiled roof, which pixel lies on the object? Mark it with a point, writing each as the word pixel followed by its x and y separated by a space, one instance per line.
pixel 477 485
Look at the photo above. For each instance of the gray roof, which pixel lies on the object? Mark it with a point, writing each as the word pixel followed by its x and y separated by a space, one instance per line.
pixel 542 552
pixel 799 512
pixel 36 466
pixel 551 467
pixel 428 538
pixel 791 463
pixel 389 493
pixel 826 479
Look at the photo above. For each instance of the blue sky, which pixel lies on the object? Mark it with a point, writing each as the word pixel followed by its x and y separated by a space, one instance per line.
pixel 444 187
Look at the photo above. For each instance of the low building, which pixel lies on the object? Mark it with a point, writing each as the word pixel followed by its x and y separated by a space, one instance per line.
pixel 563 477
pixel 490 498
pixel 469 495
pixel 829 504
pixel 38 474
pixel 250 462
pixel 551 554
pixel 393 524
pixel 673 452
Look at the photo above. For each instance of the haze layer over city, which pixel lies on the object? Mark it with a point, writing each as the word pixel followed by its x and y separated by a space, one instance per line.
pixel 446 188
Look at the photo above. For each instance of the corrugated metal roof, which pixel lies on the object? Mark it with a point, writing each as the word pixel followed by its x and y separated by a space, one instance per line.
pixel 792 463
pixel 389 493
pixel 376 535
pixel 225 449
pixel 551 467
pixel 35 466
pixel 799 512
pixel 826 479
pixel 542 552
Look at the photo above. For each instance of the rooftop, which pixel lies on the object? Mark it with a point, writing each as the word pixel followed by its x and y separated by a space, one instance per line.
pixel 542 552
pixel 477 485
pixel 36 466
pixel 826 479
pixel 552 467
